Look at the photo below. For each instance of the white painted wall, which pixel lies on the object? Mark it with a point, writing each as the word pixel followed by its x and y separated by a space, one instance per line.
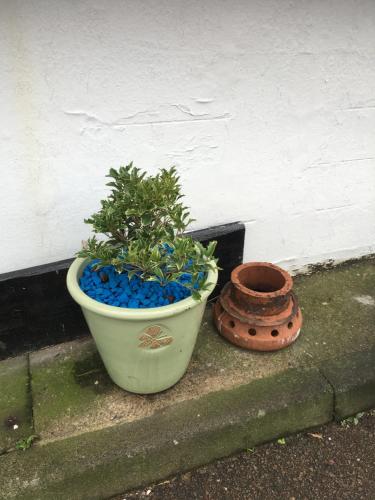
pixel 266 107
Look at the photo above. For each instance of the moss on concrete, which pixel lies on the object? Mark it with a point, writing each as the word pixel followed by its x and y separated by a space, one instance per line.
pixel 336 322
pixel 106 462
pixel 66 381
pixel 353 379
pixel 15 402
pixel 73 394
pixel 98 440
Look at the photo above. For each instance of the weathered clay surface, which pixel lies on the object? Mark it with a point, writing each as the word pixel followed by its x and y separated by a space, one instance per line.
pixel 257 308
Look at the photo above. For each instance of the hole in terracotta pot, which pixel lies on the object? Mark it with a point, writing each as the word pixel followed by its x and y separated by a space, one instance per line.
pixel 232 324
pixel 290 325
pixel 275 333
pixel 261 279
pixel 252 331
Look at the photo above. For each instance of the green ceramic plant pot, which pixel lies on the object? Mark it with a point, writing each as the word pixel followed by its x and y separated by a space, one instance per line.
pixel 144 350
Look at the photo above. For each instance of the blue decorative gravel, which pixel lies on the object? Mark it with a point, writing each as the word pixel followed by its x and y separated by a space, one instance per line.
pixel 109 287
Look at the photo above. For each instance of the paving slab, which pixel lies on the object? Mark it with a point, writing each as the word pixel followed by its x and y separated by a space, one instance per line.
pixel 97 440
pixel 339 309
pixel 15 402
pixel 96 465
pixel 73 394
pixel 353 379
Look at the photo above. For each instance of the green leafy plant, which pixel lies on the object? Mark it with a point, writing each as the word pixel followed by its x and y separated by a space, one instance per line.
pixel 25 443
pixel 143 220
pixel 353 420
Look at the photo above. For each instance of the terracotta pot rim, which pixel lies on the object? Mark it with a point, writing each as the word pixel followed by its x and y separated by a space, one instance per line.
pixel 286 288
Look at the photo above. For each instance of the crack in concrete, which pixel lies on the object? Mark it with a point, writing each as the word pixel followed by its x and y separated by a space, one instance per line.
pixel 333 390
pixel 30 393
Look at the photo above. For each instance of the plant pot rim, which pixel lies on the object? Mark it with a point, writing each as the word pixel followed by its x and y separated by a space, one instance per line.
pixel 286 288
pixel 128 313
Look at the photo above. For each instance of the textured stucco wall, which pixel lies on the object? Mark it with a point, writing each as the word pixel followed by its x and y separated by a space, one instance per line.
pixel 266 107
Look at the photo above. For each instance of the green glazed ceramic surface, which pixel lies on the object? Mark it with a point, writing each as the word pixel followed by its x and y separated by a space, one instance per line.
pixel 144 350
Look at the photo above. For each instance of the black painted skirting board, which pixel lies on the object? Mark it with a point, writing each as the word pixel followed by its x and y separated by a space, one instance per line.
pixel 36 309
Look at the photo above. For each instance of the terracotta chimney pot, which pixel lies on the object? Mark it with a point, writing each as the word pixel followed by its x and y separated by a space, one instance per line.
pixel 257 309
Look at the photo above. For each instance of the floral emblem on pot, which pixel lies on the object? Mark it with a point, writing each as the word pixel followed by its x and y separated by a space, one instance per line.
pixel 154 337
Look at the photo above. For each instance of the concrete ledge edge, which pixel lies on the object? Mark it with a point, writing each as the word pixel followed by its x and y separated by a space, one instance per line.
pixel 352 378
pixel 99 464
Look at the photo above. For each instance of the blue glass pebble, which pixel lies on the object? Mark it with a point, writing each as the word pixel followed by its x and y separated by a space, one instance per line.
pixel 119 291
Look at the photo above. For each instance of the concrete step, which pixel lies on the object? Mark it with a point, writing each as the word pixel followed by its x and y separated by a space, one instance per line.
pixel 96 440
